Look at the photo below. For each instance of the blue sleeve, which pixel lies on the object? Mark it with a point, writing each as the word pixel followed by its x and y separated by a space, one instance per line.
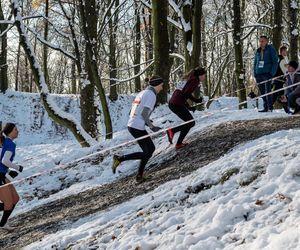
pixel 274 58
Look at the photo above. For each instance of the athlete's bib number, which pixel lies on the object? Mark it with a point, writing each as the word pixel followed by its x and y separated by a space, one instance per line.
pixel 134 107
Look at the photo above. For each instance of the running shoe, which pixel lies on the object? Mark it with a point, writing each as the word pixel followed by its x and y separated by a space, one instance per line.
pixel 116 163
pixel 170 135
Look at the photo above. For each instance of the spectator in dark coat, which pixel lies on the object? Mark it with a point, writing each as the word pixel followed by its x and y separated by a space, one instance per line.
pixel 265 68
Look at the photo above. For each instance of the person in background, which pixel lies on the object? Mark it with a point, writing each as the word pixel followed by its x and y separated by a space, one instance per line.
pixel 280 74
pixel 265 68
pixel 8 193
pixel 178 104
pixel 291 99
pixel 141 109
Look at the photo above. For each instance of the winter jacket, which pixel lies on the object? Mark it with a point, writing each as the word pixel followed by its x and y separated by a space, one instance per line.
pixel 270 60
pixel 180 97
pixel 296 80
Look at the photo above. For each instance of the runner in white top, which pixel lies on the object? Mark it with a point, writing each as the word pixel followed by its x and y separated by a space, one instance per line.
pixel 141 110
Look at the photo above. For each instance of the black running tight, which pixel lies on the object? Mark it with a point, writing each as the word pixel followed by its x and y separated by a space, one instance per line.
pixel 147 146
pixel 183 113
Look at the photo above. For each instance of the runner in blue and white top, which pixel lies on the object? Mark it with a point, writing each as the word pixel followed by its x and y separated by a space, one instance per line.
pixel 141 109
pixel 8 194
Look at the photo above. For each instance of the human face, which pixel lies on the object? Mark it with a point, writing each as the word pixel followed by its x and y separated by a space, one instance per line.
pixel 202 78
pixel 14 133
pixel 159 87
pixel 291 69
pixel 263 42
pixel 284 52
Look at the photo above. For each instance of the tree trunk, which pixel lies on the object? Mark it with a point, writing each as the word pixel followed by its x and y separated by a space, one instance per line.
pixel 3 55
pixel 277 29
pixel 113 24
pixel 73 82
pixel 148 41
pixel 53 111
pixel 196 29
pixel 238 51
pixel 92 67
pixel 293 29
pixel 161 44
pixel 188 36
pixel 204 50
pixel 137 49
pixel 45 47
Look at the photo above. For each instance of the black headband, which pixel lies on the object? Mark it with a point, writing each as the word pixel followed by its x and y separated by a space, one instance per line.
pixel 156 82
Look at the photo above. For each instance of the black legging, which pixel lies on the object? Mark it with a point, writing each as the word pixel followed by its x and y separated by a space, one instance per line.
pixel 183 113
pixel 147 146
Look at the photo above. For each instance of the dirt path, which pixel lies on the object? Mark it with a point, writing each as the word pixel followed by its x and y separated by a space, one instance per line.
pixel 206 147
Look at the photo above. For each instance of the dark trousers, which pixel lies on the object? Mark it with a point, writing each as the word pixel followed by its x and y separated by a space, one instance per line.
pixel 278 84
pixel 183 113
pixel 294 99
pixel 265 88
pixel 147 146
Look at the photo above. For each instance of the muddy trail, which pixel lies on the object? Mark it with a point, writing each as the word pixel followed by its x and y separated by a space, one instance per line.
pixel 205 147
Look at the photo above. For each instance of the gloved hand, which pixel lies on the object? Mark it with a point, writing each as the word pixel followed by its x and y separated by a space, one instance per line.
pixel 2 179
pixel 13 173
pixel 193 109
pixel 20 168
pixel 155 129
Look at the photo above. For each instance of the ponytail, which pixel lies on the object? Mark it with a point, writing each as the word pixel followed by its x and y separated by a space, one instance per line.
pixel 6 131
pixel 2 138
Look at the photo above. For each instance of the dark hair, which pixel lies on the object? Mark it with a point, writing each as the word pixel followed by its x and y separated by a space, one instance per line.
pixel 199 71
pixel 282 48
pixel 194 72
pixel 293 64
pixel 155 80
pixel 264 36
pixel 6 131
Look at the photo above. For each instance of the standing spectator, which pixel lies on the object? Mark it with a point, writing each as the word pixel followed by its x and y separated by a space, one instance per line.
pixel 265 68
pixel 281 71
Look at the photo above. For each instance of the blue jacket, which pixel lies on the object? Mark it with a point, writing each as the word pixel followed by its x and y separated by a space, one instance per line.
pixel 8 145
pixel 270 61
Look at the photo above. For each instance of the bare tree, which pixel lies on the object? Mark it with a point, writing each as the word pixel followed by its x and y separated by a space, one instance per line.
pixel 161 44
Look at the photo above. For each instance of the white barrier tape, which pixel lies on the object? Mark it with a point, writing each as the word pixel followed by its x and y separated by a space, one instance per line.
pixel 212 99
pixel 61 166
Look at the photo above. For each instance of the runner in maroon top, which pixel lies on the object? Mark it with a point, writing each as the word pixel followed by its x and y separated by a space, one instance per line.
pixel 178 104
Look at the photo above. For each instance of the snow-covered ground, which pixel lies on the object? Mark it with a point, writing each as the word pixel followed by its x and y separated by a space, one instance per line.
pixel 263 214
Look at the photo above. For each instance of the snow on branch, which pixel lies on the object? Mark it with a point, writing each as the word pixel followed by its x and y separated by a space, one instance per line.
pixel 128 79
pixel 104 24
pixel 294 5
pixel 50 45
pixel 42 85
pixel 172 21
pixel 186 25
pixel 5 31
pixel 176 55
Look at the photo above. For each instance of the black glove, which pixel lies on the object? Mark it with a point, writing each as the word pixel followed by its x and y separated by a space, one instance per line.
pixel 193 109
pixel 2 179
pixel 13 173
pixel 20 168
pixel 155 129
pixel 252 95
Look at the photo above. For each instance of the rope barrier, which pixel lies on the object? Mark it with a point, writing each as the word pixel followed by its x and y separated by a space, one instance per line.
pixel 62 166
